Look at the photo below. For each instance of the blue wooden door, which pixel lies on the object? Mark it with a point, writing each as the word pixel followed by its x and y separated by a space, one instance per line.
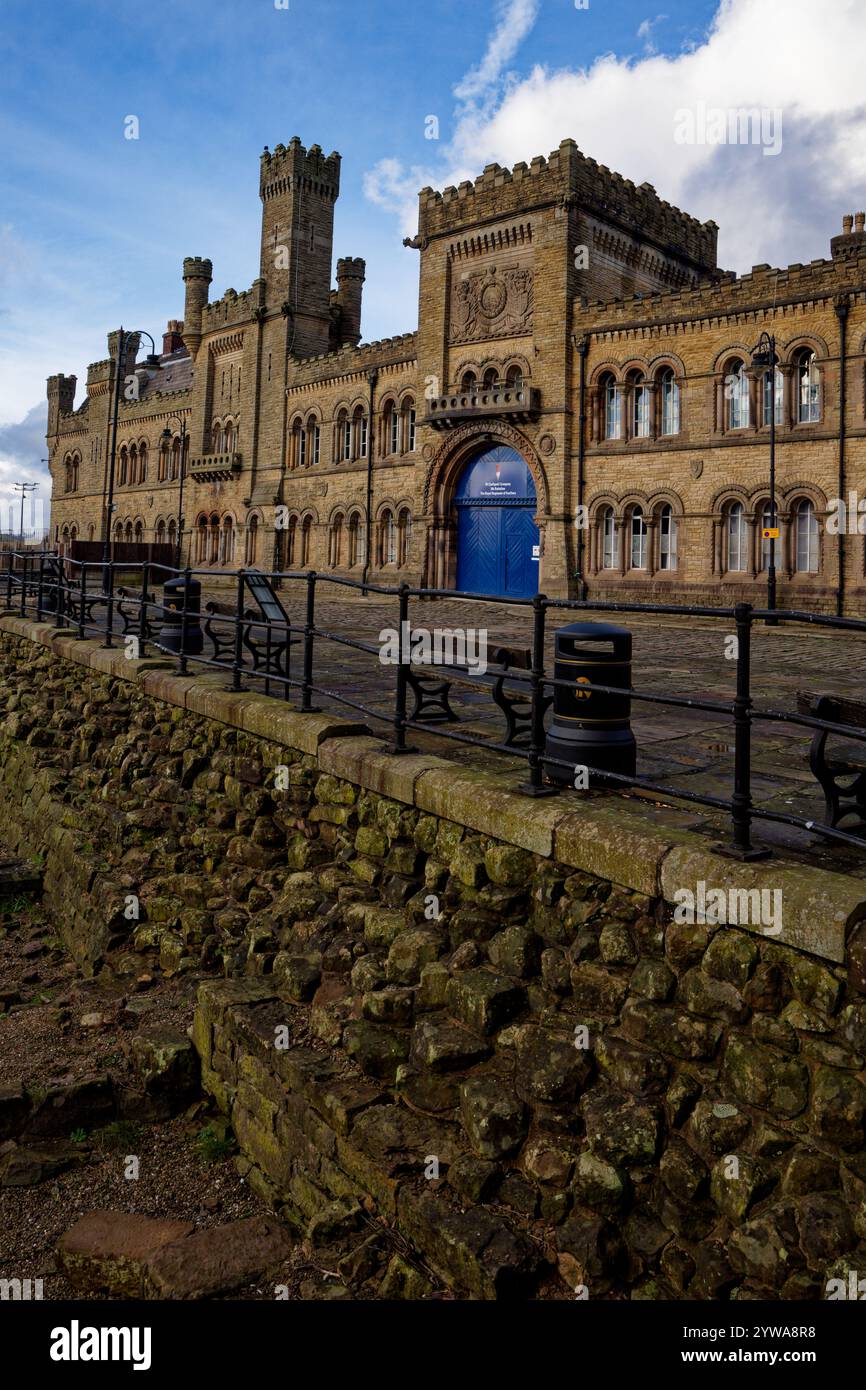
pixel 497 539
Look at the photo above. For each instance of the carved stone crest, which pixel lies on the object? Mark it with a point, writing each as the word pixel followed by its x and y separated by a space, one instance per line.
pixel 697 467
pixel 492 303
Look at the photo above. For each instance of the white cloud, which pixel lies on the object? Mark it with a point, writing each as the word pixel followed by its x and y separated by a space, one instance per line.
pixel 804 60
pixel 516 18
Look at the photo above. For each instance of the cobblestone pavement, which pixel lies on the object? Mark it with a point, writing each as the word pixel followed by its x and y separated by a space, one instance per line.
pixel 682 749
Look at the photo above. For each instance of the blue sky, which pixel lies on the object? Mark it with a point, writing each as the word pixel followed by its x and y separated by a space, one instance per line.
pixel 94 227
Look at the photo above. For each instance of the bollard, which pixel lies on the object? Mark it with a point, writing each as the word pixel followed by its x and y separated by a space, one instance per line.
pixel 591 728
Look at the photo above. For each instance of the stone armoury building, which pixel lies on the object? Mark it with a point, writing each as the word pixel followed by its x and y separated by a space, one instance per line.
pixel 577 412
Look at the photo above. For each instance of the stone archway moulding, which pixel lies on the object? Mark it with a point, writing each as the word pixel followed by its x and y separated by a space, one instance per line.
pixel 455 452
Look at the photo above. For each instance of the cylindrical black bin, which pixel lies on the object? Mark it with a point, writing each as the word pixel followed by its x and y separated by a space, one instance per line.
pixel 181 633
pixel 591 727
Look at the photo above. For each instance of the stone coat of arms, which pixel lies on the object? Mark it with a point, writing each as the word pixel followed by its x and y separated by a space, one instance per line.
pixel 493 303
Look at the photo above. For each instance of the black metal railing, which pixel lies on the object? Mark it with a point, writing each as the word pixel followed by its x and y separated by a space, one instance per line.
pixel 256 645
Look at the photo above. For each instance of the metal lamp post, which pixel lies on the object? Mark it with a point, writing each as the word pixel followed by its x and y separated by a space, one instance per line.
pixel 166 435
pixel 765 360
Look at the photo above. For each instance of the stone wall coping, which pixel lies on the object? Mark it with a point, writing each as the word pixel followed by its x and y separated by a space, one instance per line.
pixel 654 853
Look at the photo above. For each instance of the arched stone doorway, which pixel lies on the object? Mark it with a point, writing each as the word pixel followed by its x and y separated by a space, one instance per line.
pixel 464 499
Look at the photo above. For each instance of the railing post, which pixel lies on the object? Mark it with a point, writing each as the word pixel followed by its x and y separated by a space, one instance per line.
pixel 82 599
pixel 237 666
pixel 535 786
pixel 60 606
pixel 39 585
pixel 9 580
pixel 23 609
pixel 741 800
pixel 142 614
pixel 109 607
pixel 309 624
pixel 399 744
pixel 181 668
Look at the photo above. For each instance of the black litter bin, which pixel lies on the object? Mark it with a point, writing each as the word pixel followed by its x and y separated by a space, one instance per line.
pixel 591 728
pixel 181 632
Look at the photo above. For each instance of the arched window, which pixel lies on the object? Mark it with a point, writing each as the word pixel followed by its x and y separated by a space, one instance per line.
pixel 389 538
pixel 73 534
pixel 469 382
pixel 404 530
pixel 118 532
pixel 609 540
pixel 229 444
pixel 175 459
pixel 808 387
pixel 314 441
pixel 392 428
pixel 306 534
pixel 343 447
pixel 356 539
pixel 128 535
pixel 409 425
pixel 214 541
pixel 162 465
pixel 737 393
pixel 124 466
pixel 291 535
pixel 160 533
pixel 359 429
pixel 139 533
pixel 766 520
pixel 133 465
pixel 667 538
pixel 75 464
pixel 736 537
pixel 201 542
pixel 639 423
pixel 300 442
pixel 490 379
pixel 252 539
pixel 638 531
pixel 670 402
pixel 612 401
pixel 172 533
pixel 228 542
pixel 90 532
pixel 514 378
pixel 337 541
pixel 68 466
pixel 142 464
pixel 772 395
pixel 807 538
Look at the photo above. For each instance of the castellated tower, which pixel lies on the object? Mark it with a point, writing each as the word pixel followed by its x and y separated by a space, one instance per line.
pixel 197 275
pixel 298 189
pixel 61 397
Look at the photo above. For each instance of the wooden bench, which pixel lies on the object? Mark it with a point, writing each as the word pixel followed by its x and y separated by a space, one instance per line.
pixel 842 775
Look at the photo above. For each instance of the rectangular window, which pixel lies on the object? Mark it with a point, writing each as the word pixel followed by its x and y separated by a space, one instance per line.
pixel 668 542
pixel 362 433
pixel 395 432
pixel 613 413
pixel 317 443
pixel 412 429
pixel 610 558
pixel 770 394
pixel 302 448
pixel 347 439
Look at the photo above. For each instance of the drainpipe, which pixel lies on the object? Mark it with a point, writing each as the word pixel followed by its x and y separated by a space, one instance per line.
pixel 583 350
pixel 841 305
pixel 372 377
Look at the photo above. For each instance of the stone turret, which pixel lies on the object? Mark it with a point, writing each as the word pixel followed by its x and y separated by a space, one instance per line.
pixel 61 397
pixel 197 275
pixel 350 286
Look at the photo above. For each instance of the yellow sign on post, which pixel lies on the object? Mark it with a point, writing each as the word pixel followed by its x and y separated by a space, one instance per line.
pixel 770 533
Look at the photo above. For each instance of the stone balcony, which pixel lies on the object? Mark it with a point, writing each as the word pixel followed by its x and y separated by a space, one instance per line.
pixel 520 403
pixel 214 468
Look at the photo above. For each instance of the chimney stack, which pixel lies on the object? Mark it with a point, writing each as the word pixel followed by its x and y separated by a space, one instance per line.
pixel 172 338
pixel 350 285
